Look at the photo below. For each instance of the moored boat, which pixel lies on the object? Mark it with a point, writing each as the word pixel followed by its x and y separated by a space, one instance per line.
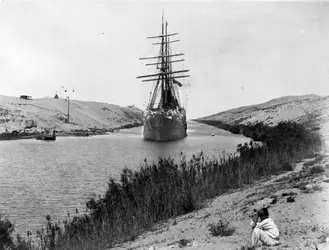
pixel 47 134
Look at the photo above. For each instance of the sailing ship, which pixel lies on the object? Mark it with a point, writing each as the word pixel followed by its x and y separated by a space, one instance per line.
pixel 165 117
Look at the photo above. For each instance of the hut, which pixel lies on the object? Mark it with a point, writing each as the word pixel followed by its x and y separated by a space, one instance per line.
pixel 26 97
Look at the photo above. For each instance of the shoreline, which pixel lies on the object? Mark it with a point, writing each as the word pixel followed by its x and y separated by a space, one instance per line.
pixel 7 136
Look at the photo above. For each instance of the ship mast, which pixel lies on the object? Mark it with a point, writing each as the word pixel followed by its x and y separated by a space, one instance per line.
pixel 162 65
pixel 166 77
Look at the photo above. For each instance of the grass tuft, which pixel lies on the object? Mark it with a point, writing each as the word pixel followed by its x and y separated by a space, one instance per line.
pixel 183 242
pixel 324 237
pixel 221 228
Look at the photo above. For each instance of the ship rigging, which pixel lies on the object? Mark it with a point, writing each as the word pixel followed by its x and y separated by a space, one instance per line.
pixel 165 118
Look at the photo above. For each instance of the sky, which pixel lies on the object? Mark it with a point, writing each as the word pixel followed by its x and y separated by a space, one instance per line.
pixel 238 52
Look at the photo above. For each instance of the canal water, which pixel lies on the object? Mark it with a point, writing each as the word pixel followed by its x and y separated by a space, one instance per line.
pixel 56 177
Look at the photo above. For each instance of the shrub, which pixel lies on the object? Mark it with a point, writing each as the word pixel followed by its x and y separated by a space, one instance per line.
pixel 287 166
pixel 222 228
pixel 324 235
pixel 6 230
pixel 183 242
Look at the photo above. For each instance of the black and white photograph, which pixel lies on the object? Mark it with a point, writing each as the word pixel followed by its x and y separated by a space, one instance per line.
pixel 157 125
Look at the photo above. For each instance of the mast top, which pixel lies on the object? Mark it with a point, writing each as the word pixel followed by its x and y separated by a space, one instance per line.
pixel 164 59
pixel 162 14
pixel 172 34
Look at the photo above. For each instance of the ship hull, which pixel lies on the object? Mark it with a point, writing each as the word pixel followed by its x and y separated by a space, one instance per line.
pixel 164 127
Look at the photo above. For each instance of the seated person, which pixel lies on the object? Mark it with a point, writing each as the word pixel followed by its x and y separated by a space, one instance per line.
pixel 265 232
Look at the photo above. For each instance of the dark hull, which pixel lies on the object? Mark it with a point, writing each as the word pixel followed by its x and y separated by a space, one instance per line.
pixel 162 127
pixel 46 137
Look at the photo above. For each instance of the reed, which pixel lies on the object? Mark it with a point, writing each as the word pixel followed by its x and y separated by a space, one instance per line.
pixel 165 189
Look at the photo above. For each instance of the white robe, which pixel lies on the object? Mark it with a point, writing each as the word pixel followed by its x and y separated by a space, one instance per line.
pixel 265 232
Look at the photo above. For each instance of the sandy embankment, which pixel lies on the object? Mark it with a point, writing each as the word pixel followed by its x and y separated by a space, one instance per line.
pixel 293 108
pixel 31 115
pixel 301 222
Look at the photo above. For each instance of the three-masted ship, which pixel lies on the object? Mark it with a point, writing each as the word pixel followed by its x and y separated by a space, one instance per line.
pixel 165 117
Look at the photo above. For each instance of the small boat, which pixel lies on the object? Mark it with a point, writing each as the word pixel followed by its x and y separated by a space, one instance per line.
pixel 47 134
pixel 80 133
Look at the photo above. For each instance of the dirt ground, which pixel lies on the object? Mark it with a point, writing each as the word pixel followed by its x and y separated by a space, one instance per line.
pixel 300 208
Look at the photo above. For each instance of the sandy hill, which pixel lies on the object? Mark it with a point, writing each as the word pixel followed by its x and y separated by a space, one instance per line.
pixel 295 108
pixel 17 114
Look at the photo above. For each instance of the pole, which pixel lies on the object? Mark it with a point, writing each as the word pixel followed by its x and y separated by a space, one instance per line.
pixel 68 109
pixel 166 65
